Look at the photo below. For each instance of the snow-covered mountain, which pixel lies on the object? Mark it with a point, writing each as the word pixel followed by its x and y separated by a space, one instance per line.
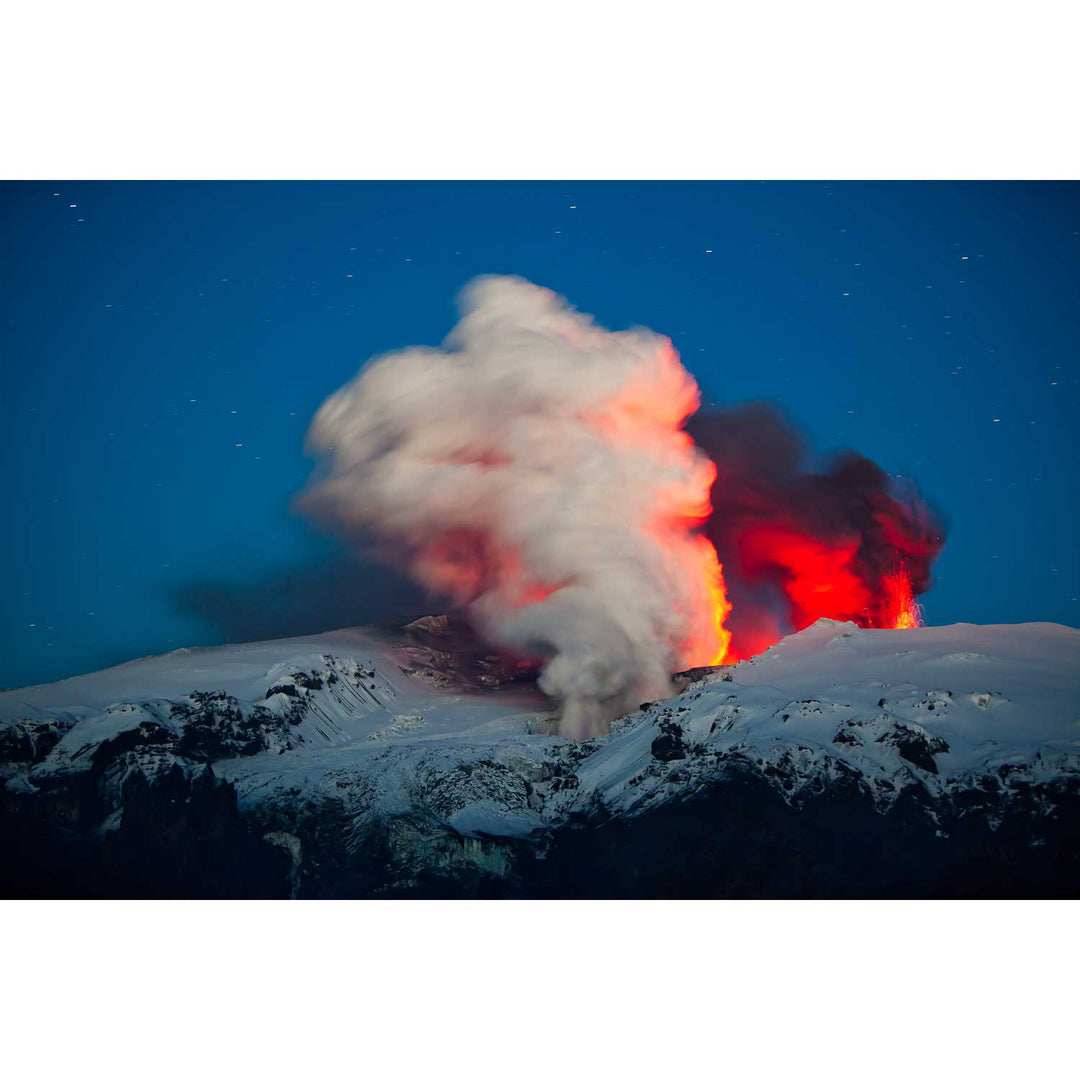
pixel 943 761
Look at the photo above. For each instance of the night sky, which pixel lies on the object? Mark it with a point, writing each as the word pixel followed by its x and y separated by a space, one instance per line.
pixel 165 346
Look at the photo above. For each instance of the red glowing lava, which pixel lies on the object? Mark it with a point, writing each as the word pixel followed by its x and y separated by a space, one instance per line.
pixel 820 579
pixel 901 611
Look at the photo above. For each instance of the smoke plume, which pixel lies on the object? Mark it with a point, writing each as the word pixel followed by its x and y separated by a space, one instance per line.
pixel 534 473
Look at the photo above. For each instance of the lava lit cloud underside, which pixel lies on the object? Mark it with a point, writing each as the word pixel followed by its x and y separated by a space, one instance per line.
pixel 539 474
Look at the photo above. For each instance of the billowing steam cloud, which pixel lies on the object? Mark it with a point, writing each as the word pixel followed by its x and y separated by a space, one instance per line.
pixel 798 545
pixel 535 473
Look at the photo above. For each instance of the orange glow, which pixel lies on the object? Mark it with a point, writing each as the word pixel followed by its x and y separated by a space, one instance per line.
pixel 719 609
pixel 648 415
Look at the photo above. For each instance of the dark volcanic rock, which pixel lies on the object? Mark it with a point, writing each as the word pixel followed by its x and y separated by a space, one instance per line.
pixel 916 745
pixel 746 832
pixel 739 838
pixel 30 741
pixel 216 727
pixel 174 836
pixel 669 746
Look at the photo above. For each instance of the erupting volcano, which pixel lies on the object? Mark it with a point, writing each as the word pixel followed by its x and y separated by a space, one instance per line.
pixel 539 474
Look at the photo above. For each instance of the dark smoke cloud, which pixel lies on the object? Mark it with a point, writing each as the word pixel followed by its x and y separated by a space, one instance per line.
pixel 337 592
pixel 798 544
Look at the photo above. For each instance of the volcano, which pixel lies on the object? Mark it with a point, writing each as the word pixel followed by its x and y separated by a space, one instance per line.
pixel 842 762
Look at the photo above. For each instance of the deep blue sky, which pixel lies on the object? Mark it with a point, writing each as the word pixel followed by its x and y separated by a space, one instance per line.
pixel 150 328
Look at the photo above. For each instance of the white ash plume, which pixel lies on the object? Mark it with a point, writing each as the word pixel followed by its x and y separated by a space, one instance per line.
pixel 534 472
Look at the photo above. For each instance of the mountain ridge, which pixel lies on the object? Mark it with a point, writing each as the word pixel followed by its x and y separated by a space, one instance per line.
pixel 340 765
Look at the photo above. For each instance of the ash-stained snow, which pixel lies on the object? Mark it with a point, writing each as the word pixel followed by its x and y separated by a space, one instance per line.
pixel 334 725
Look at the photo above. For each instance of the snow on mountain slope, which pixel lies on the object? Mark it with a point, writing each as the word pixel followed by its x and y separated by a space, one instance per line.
pixel 932 706
pixel 338 688
pixel 337 744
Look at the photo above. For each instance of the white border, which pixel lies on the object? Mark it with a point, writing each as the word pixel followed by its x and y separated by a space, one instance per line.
pixel 569 88
pixel 561 89
pixel 530 989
